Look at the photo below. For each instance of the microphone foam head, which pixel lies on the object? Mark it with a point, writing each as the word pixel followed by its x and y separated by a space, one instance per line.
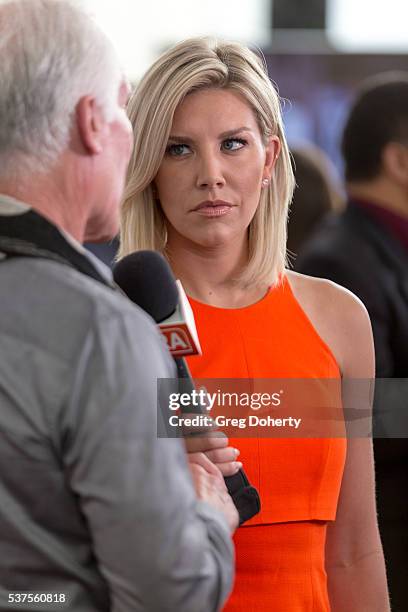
pixel 147 280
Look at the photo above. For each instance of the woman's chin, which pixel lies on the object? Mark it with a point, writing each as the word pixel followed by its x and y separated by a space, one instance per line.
pixel 214 241
pixel 211 239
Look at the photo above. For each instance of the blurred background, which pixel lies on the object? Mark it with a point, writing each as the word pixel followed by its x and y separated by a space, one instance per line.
pixel 317 51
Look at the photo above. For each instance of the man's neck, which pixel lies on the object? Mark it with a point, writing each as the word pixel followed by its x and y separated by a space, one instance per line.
pixel 49 202
pixel 382 193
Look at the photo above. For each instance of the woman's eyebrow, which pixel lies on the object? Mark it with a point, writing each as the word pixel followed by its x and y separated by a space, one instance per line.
pixel 234 132
pixel 227 134
pixel 181 139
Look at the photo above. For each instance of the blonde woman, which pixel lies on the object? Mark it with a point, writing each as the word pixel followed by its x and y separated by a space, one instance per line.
pixel 209 185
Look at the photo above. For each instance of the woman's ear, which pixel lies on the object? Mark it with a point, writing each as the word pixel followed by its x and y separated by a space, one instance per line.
pixel 272 151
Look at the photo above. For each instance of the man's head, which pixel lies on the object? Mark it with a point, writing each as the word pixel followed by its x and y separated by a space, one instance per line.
pixel 62 90
pixel 375 139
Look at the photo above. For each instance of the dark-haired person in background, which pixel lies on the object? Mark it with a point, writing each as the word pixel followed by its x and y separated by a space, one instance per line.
pixel 316 194
pixel 96 513
pixel 366 250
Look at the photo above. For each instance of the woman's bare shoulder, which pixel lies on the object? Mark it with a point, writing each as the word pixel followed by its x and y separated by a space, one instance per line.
pixel 339 317
pixel 312 289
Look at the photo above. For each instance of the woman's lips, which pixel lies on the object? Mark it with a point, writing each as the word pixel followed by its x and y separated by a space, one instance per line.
pixel 218 208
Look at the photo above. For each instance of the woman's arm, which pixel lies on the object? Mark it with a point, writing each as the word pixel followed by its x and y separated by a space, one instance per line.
pixel 354 557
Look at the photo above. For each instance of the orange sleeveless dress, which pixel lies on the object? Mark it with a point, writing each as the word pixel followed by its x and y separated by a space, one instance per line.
pixel 280 552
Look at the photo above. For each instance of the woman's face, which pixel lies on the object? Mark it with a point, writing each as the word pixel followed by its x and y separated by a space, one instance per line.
pixel 210 179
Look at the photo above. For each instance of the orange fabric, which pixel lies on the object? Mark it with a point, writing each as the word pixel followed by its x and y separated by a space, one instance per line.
pixel 280 568
pixel 280 552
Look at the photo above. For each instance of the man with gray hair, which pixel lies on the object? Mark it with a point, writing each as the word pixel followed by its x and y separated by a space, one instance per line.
pixel 96 513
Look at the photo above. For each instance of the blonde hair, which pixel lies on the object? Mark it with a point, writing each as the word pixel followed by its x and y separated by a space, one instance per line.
pixel 202 63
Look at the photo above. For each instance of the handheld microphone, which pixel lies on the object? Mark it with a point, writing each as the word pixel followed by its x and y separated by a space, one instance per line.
pixel 161 296
pixel 146 278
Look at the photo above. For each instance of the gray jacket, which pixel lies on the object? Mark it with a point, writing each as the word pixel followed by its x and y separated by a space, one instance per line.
pixel 92 505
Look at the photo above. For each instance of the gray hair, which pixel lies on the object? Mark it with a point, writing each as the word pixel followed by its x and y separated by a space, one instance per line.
pixel 52 54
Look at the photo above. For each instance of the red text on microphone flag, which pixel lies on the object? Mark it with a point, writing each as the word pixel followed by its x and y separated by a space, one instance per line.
pixel 179 340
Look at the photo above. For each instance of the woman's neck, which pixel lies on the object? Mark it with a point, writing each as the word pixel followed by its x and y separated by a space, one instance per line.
pixel 210 275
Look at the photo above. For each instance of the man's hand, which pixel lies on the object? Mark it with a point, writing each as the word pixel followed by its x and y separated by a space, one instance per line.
pixel 210 487
pixel 214 445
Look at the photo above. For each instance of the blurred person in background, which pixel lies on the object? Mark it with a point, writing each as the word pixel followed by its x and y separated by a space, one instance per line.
pixel 96 513
pixel 209 185
pixel 366 250
pixel 105 251
pixel 316 194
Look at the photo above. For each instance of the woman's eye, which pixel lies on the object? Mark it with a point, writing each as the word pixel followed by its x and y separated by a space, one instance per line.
pixel 177 150
pixel 233 144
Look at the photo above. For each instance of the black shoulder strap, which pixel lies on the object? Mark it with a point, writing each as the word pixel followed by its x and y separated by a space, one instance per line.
pixel 31 235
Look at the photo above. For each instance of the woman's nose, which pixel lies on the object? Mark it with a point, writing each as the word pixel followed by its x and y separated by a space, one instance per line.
pixel 209 172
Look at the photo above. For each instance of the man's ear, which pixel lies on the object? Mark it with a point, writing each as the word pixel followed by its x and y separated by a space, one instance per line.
pixel 395 162
pixel 91 124
pixel 272 151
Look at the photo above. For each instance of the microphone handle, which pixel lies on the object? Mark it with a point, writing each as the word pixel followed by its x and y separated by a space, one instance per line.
pixel 244 495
